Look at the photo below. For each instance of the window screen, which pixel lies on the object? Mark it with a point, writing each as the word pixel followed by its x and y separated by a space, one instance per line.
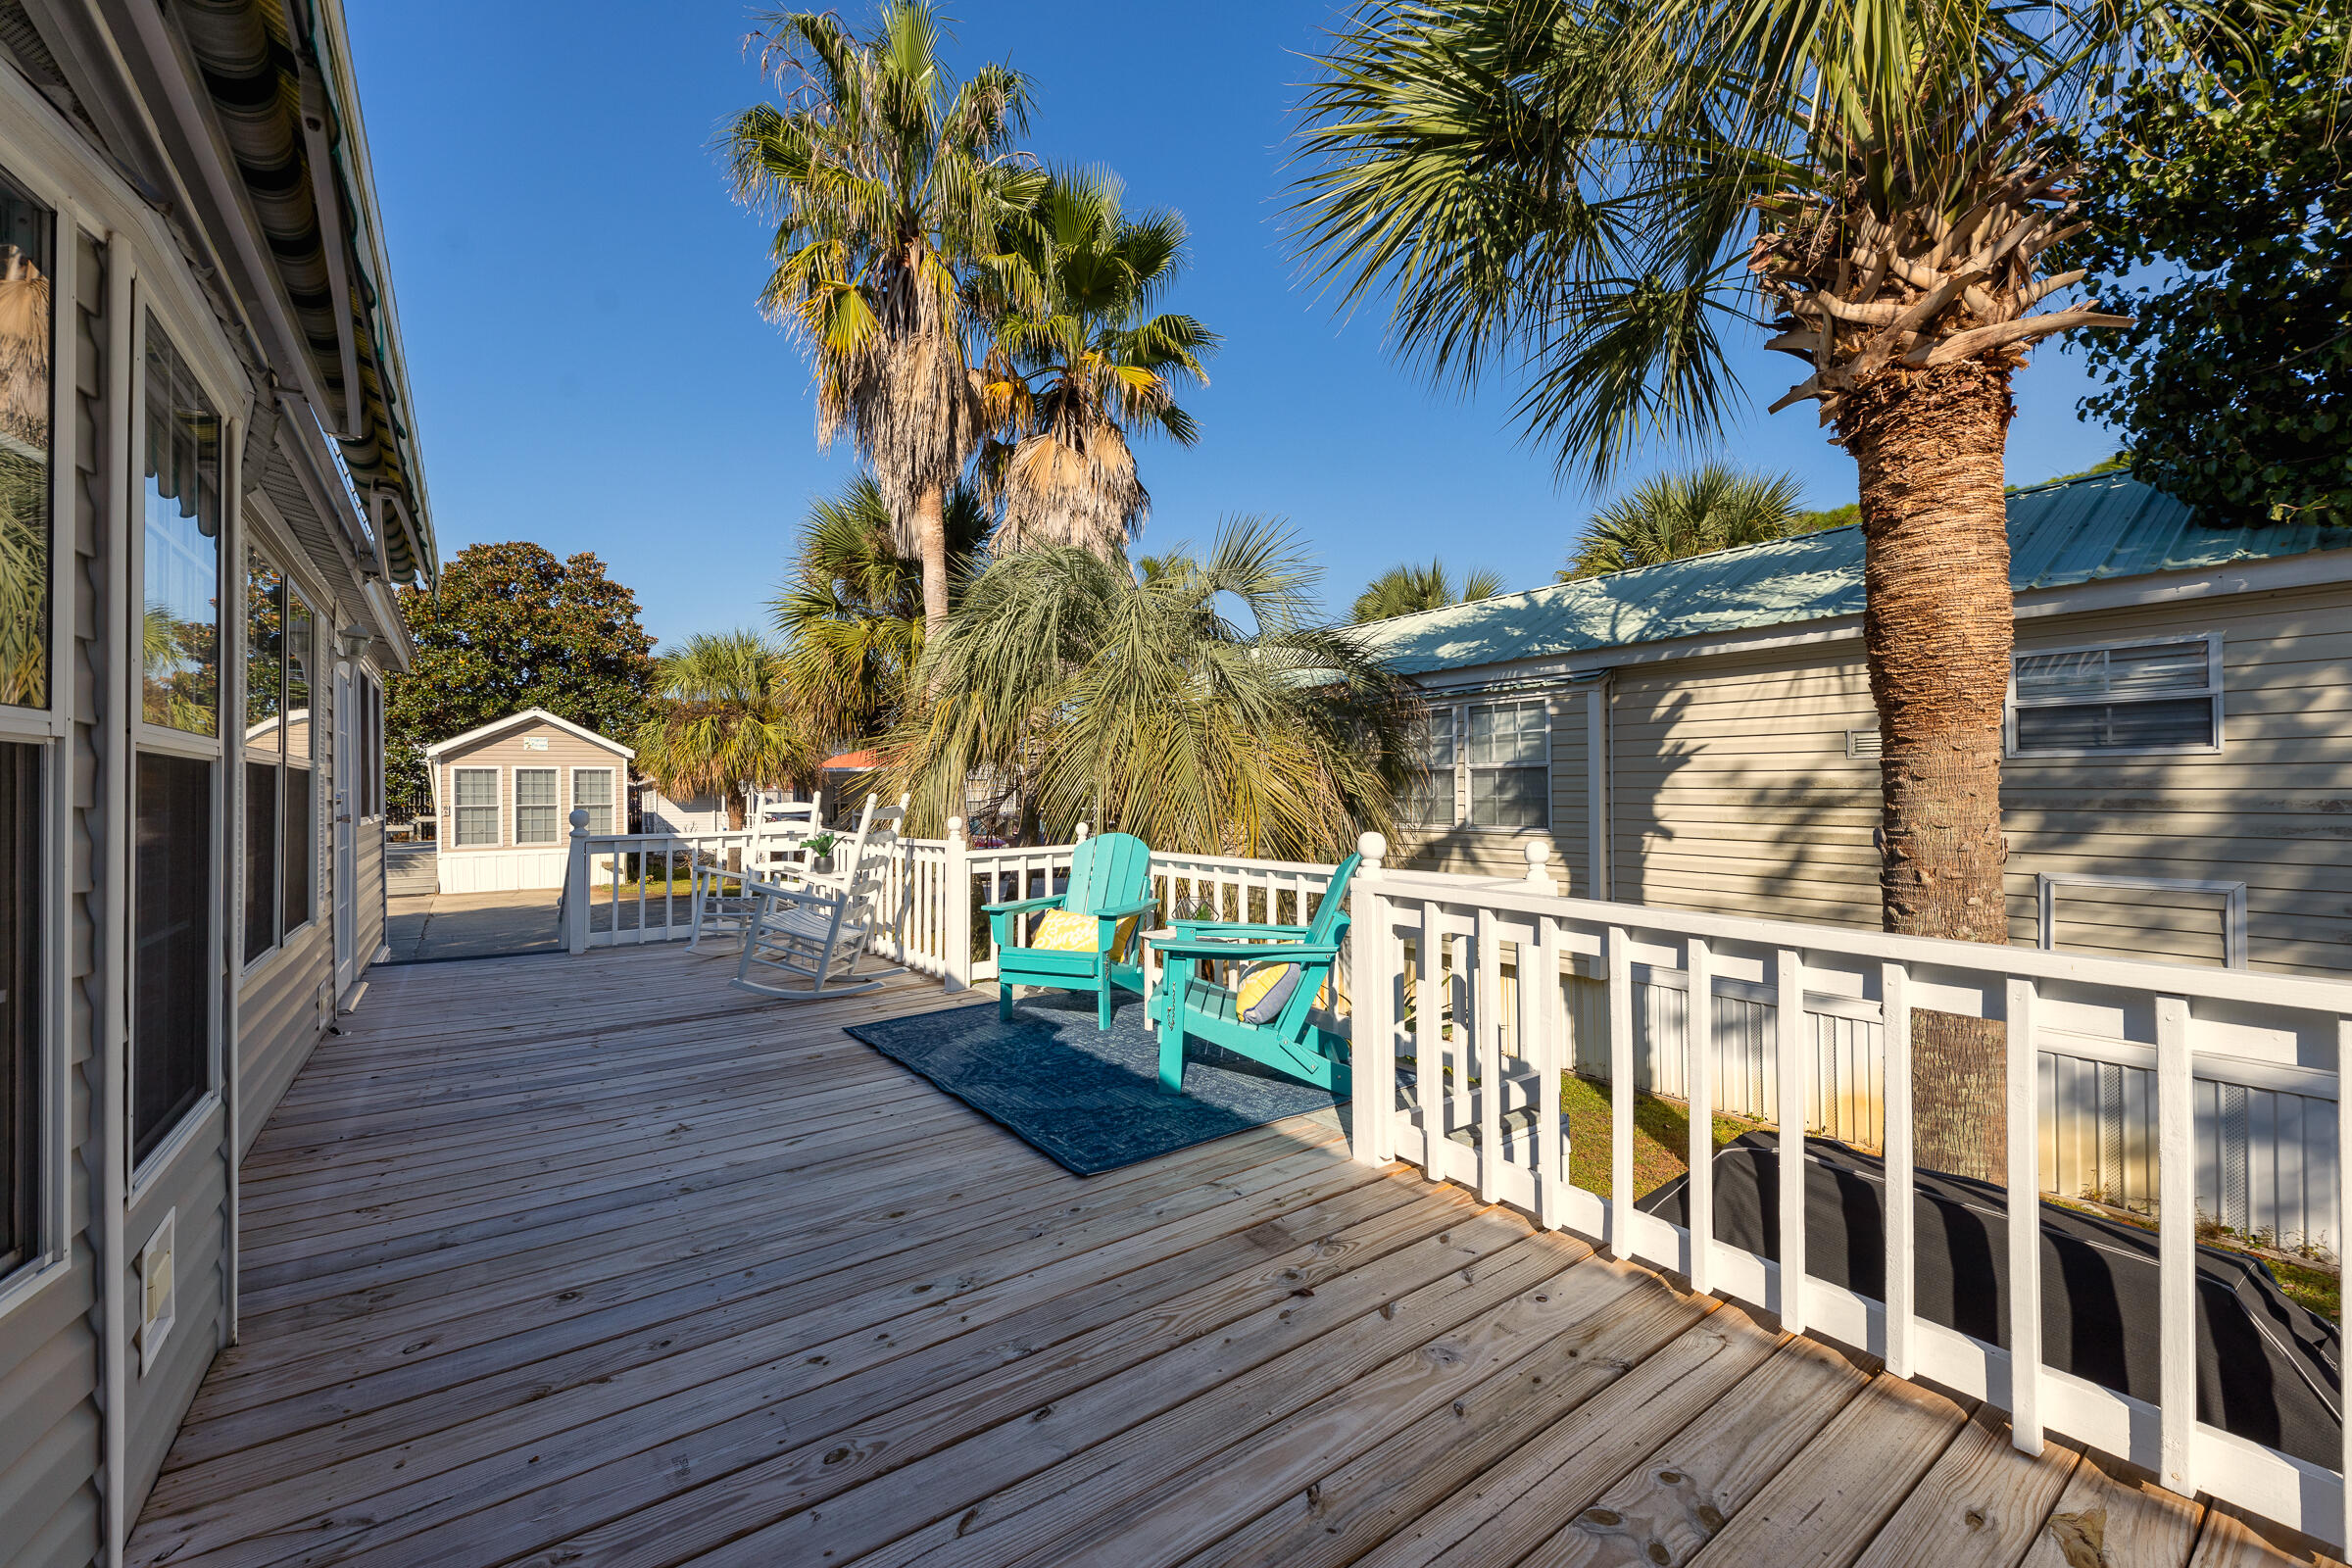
pixel 20 994
pixel 1509 757
pixel 180 550
pixel 592 792
pixel 2152 697
pixel 27 230
pixel 1432 800
pixel 172 900
pixel 476 805
pixel 301 853
pixel 535 805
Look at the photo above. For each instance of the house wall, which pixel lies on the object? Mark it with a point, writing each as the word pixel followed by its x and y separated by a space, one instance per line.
pixel 507 865
pixel 1730 788
pixel 85 1419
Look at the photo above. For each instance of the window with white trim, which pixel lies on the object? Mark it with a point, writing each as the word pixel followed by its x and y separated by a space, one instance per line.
pixel 1489 766
pixel 592 792
pixel 2121 699
pixel 474 798
pixel 535 805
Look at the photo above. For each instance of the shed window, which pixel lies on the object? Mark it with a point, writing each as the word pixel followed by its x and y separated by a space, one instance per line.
pixel 1509 757
pixel 2140 696
pixel 592 792
pixel 27 230
pixel 475 792
pixel 535 805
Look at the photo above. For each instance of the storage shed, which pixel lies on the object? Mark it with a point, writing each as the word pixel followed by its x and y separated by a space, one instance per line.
pixel 504 792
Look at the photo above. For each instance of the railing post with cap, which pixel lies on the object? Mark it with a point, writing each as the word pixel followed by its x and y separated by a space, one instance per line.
pixel 576 886
pixel 955 919
pixel 1371 1028
pixel 1538 865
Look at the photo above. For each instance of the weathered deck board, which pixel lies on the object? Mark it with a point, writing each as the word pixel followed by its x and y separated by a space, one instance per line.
pixel 597 1261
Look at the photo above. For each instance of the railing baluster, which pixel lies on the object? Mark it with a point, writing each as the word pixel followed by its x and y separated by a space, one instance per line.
pixel 2024 1224
pixel 1698 1036
pixel 1621 1091
pixel 1895 1006
pixel 2175 1247
pixel 1552 1154
pixel 1792 1050
pixel 1429 1049
pixel 1486 1050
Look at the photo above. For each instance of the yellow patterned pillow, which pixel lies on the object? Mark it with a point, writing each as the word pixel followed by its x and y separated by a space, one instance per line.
pixel 1069 931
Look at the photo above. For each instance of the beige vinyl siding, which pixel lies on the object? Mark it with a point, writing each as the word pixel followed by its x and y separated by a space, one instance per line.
pixel 565 752
pixel 2273 809
pixel 280 1019
pixel 1730 788
pixel 193 1184
pixel 368 938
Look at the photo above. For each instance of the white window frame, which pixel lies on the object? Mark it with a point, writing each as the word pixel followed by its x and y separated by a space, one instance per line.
pixel 555 784
pixel 2214 692
pixel 2232 895
pixel 612 802
pixel 1459 708
pixel 498 804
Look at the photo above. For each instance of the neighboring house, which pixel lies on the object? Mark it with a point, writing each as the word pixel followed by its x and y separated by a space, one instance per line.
pixel 210 488
pixel 2178 786
pixel 504 795
pixel 1701 734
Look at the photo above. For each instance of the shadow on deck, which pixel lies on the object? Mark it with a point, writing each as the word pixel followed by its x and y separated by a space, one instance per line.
pixel 597 1260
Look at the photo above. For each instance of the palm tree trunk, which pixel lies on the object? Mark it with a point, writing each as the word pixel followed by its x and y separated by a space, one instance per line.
pixel 931 528
pixel 738 812
pixel 1938 627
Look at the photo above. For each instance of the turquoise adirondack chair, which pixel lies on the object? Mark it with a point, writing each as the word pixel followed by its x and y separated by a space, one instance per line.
pixel 1187 1002
pixel 1110 879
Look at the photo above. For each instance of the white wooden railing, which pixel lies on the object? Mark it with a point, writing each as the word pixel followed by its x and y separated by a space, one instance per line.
pixel 1474 1055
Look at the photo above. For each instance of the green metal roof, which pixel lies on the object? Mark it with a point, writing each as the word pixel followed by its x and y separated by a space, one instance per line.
pixel 2076 531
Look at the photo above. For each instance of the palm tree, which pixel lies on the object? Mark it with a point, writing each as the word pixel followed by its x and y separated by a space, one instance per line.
pixel 1081 362
pixel 1199 709
pixel 1597 196
pixel 889 182
pixel 1402 589
pixel 723 723
pixel 1674 515
pixel 852 612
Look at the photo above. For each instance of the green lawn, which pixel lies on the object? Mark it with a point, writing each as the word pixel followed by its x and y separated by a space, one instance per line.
pixel 1662 1136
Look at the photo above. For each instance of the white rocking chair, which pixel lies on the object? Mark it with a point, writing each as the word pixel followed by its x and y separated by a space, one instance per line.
pixel 724 900
pixel 810 938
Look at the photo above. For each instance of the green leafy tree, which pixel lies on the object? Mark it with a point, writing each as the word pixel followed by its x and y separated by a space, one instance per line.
pixel 723 724
pixel 1600 200
pixel 2229 182
pixel 889 182
pixel 1402 589
pixel 1674 515
pixel 1081 362
pixel 851 613
pixel 512 627
pixel 1200 709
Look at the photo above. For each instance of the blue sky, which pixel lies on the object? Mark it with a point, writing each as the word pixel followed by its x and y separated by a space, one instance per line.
pixel 576 292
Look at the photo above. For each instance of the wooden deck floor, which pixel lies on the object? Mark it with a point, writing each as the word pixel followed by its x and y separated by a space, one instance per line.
pixel 596 1261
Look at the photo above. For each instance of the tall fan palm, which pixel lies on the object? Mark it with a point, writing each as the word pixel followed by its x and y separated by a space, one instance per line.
pixel 1674 515
pixel 723 724
pixel 1082 361
pixel 1596 195
pixel 1402 589
pixel 889 182
pixel 1199 708
pixel 851 611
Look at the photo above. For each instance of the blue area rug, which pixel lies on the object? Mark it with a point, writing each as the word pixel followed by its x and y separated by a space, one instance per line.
pixel 1088 1099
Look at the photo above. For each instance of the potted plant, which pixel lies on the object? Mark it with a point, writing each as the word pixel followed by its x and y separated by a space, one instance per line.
pixel 820 852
